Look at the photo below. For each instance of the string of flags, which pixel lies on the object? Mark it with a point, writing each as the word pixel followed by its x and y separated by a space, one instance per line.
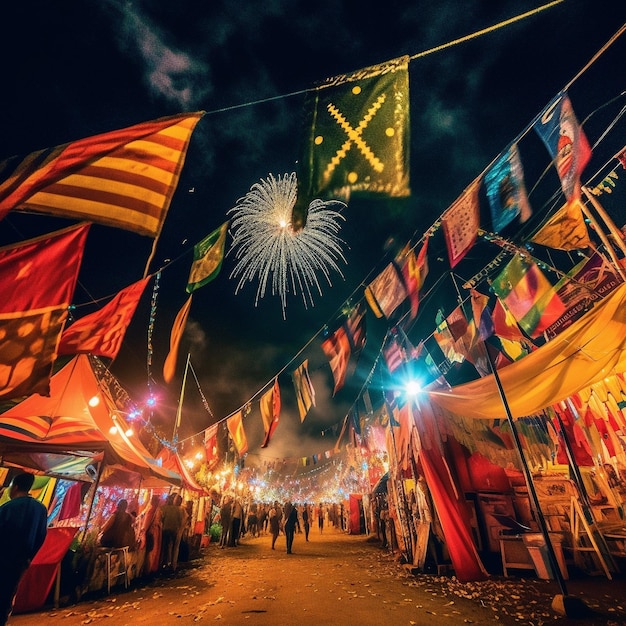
pixel 360 140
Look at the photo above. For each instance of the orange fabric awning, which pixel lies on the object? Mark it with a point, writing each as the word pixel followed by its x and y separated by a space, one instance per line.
pixel 593 348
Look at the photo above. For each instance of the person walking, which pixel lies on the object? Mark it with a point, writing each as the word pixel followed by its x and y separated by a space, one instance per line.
pixel 274 525
pixel 291 517
pixel 23 529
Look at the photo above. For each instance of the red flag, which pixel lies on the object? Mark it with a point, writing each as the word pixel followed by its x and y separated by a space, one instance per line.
pixel 178 328
pixel 125 178
pixel 102 332
pixel 37 279
pixel 270 411
pixel 210 446
pixel 457 323
pixel 414 270
pixel 621 157
pixel 460 223
pixel 394 353
pixel 238 434
pixel 348 338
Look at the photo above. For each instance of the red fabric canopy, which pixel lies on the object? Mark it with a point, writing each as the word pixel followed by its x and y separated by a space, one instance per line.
pixel 79 415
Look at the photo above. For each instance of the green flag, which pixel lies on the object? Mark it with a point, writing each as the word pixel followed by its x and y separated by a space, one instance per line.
pixel 359 134
pixel 208 255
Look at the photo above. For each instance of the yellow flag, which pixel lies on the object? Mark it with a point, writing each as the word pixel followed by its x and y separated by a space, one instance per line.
pixel 565 230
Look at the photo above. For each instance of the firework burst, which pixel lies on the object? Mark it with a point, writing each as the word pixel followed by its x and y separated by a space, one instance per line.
pixel 267 248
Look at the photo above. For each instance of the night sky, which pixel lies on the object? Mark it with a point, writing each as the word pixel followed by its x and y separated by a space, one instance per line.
pixel 76 69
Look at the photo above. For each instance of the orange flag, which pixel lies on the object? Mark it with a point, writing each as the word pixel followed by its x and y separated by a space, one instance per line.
pixel 270 411
pixel 169 367
pixel 238 434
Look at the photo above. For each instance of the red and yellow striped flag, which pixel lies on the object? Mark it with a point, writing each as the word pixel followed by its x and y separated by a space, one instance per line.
pixel 125 178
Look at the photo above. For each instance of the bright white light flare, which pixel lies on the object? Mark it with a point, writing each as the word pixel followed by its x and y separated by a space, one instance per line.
pixel 267 248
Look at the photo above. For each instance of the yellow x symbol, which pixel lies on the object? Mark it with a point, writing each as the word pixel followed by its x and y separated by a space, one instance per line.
pixel 354 135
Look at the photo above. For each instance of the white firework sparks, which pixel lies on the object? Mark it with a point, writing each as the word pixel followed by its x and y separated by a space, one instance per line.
pixel 268 249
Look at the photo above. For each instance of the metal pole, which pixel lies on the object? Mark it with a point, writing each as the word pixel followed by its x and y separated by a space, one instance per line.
pixel 529 481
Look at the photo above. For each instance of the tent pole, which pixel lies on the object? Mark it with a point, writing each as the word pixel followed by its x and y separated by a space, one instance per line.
pixel 179 411
pixel 566 601
pixel 92 501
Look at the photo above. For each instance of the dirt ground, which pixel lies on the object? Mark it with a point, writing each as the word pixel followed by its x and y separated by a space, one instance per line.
pixel 334 578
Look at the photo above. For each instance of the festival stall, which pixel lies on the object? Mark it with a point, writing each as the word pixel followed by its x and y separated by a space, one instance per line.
pixel 79 436
pixel 558 413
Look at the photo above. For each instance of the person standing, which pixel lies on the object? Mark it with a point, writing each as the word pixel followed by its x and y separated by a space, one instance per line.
pixel 118 530
pixel 183 529
pixel 225 520
pixel 23 529
pixel 320 517
pixel 172 521
pixel 291 516
pixel 305 520
pixel 151 535
pixel 237 517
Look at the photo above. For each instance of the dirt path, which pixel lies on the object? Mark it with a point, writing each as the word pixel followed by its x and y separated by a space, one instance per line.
pixel 333 579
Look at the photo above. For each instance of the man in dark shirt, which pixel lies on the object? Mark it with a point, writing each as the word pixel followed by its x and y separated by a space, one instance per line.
pixel 23 528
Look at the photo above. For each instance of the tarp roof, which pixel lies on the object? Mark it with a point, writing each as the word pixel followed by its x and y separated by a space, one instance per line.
pixel 76 420
pixel 592 348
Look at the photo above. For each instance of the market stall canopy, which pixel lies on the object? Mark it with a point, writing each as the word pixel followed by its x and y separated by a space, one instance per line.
pixel 77 425
pixel 588 351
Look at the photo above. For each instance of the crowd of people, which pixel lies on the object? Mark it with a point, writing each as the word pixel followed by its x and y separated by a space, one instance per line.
pixel 239 519
pixel 161 529
pixel 158 532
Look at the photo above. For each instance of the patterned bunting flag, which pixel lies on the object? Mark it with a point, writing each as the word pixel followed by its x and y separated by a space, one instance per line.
pixel 348 339
pixel 481 314
pixel 38 278
pixel 101 333
pixel 461 222
pixel 445 340
pixel 386 292
pixel 414 270
pixel 565 230
pixel 506 191
pixel 125 178
pixel 208 255
pixel 305 393
pixel 237 433
pixel 358 136
pixel 210 446
pixel 457 323
pixel 528 295
pixel 566 142
pixel 270 411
